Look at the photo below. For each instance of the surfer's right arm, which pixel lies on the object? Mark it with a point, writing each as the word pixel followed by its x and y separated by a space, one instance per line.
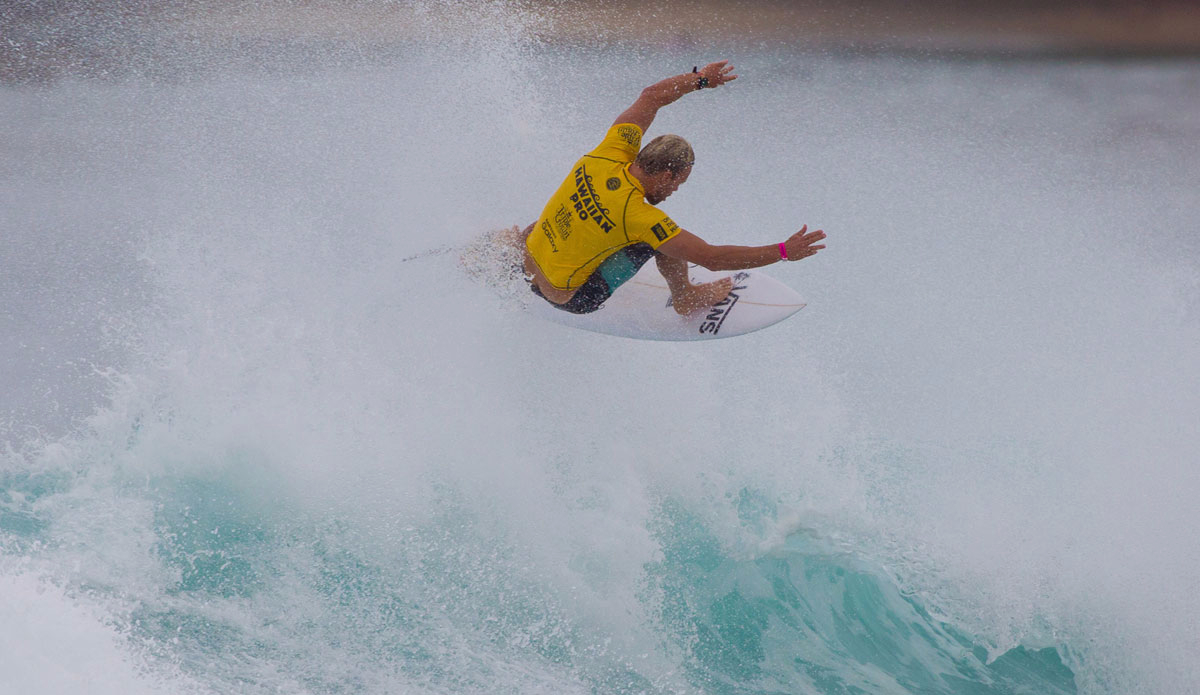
pixel 691 248
pixel 661 93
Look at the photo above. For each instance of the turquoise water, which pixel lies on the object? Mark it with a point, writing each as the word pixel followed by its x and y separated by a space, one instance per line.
pixel 251 445
pixel 246 597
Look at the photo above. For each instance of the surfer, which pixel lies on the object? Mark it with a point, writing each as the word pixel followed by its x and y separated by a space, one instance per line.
pixel 602 225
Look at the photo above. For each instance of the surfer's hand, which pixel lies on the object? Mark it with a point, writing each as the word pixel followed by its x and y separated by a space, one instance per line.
pixel 801 244
pixel 717 73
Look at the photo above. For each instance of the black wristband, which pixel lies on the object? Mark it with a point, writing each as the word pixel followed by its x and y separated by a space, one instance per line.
pixel 702 81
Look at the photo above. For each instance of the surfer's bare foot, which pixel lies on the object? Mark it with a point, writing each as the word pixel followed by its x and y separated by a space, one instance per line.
pixel 696 297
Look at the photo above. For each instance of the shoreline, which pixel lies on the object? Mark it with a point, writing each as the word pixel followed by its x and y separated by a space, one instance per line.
pixel 1169 28
pixel 175 37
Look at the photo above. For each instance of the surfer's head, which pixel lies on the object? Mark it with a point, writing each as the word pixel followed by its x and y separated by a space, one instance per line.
pixel 663 165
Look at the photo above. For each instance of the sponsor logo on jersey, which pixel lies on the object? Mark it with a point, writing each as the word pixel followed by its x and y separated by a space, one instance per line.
pixel 630 135
pixel 562 220
pixel 549 235
pixel 663 230
pixel 587 204
pixel 613 184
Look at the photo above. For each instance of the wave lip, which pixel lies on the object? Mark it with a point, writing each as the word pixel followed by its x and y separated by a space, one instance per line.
pixel 810 618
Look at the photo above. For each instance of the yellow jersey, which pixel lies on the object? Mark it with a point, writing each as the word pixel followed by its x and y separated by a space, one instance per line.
pixel 598 210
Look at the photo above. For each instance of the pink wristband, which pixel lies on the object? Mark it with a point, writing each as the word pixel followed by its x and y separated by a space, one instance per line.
pixel 782 251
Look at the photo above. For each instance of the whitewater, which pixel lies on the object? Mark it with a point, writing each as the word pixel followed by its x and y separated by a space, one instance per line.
pixel 256 439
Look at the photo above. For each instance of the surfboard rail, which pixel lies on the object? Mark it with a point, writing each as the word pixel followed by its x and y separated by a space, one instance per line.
pixel 641 308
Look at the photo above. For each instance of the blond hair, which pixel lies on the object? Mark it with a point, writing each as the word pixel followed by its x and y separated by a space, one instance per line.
pixel 666 153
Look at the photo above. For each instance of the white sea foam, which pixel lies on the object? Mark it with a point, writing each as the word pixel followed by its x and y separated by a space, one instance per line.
pixel 53 642
pixel 991 395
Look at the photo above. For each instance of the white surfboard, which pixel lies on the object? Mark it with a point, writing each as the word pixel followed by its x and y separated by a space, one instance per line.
pixel 641 308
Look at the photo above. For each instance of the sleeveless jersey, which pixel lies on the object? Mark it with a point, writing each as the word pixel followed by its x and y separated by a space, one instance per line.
pixel 598 210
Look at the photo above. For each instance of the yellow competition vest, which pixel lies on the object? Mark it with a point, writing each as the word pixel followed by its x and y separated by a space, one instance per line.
pixel 598 210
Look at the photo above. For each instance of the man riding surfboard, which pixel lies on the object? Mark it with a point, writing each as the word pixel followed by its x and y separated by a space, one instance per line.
pixel 601 225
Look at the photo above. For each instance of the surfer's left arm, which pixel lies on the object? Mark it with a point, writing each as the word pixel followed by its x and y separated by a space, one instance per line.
pixel 693 249
pixel 664 92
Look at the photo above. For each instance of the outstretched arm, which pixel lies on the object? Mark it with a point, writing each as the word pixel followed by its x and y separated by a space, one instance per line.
pixel 691 248
pixel 658 95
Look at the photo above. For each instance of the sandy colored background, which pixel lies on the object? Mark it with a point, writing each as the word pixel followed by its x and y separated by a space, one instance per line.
pixel 47 39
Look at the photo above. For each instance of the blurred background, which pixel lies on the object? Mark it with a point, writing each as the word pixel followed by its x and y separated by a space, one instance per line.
pixel 58 37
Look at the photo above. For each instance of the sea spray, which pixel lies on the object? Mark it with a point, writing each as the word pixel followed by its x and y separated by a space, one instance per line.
pixel 300 459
